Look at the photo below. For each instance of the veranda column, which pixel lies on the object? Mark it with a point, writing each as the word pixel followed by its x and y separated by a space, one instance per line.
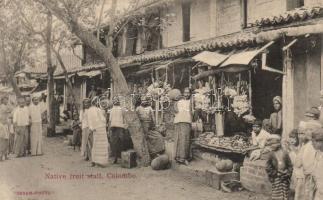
pixel 288 94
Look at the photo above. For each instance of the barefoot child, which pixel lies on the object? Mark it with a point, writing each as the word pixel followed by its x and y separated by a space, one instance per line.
pixel 293 147
pixel 77 131
pixel 4 141
pixel 11 135
pixel 279 169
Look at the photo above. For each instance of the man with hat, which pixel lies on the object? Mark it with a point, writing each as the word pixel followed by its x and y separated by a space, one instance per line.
pixel 313 115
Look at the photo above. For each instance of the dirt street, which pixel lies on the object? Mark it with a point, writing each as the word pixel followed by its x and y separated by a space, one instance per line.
pixel 61 174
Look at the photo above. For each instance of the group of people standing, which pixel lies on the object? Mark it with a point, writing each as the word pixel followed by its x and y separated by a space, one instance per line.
pixel 294 166
pixel 21 127
pixel 101 131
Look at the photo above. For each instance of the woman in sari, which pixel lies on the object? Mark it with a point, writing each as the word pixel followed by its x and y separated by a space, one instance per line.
pixel 97 125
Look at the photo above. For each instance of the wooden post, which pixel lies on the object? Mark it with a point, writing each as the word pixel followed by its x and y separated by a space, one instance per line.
pixel 157 102
pixel 189 78
pixel 288 94
pixel 321 61
pixel 250 91
pixel 65 96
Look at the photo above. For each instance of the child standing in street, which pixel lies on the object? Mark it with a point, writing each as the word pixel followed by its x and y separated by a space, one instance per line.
pixel 297 182
pixel 11 135
pixel 77 131
pixel 4 141
pixel 279 169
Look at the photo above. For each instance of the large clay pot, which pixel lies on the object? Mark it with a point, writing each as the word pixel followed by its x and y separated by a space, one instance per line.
pixel 224 165
pixel 161 162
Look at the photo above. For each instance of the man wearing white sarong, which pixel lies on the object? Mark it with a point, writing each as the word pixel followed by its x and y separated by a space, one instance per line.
pixel 35 128
pixel 86 145
pixel 97 124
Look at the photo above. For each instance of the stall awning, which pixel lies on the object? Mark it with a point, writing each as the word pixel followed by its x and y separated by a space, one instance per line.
pixel 244 57
pixel 236 62
pixel 148 68
pixel 90 74
pixel 210 58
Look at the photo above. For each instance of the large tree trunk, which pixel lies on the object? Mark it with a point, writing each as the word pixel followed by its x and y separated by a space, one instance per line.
pixel 118 78
pixel 13 83
pixel 68 81
pixel 121 87
pixel 50 82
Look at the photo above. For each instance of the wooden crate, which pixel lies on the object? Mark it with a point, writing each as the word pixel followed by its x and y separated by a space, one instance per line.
pixel 128 159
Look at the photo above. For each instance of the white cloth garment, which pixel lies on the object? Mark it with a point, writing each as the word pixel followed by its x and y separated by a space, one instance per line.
pixel 96 118
pixel 308 158
pixel 260 139
pixel 116 117
pixel 318 176
pixel 35 113
pixel 84 118
pixel 21 116
pixel 184 112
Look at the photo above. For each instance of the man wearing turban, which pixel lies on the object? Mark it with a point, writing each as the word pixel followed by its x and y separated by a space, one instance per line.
pixel 276 116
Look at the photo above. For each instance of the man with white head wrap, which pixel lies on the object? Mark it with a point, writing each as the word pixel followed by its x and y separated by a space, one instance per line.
pixel 97 125
pixel 276 117
pixel 36 127
pixel 86 144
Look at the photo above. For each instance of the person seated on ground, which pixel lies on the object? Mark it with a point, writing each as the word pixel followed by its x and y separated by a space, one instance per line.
pixel 259 138
pixel 312 115
pixel 259 135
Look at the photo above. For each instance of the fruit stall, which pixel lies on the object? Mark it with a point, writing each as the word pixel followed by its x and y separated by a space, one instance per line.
pixel 227 96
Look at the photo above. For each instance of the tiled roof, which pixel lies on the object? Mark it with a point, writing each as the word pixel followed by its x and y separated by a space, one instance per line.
pixel 70 61
pixel 241 39
pixel 88 67
pixel 296 15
